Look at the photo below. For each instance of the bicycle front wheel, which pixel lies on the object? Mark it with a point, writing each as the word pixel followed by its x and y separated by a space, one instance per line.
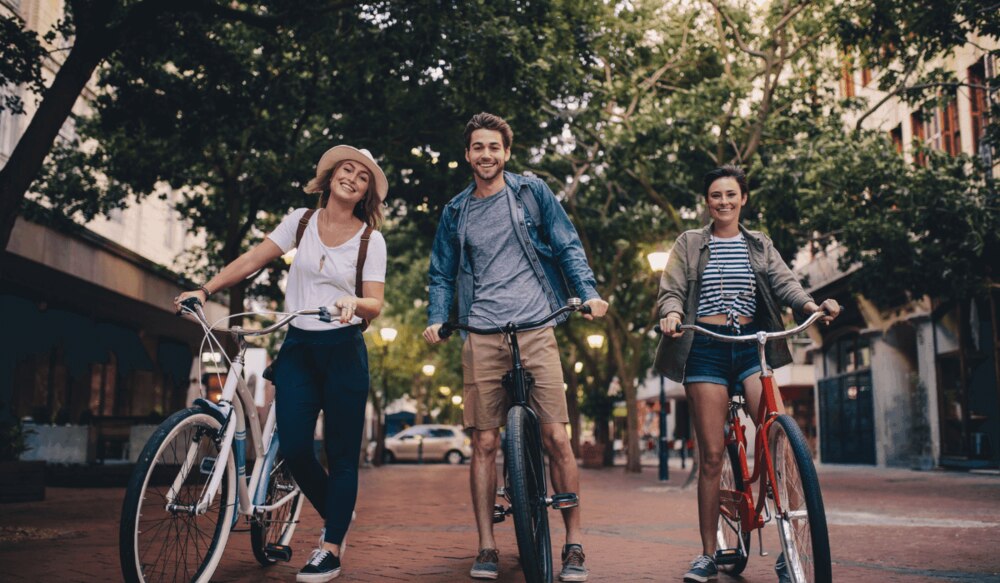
pixel 275 527
pixel 731 536
pixel 526 477
pixel 801 518
pixel 161 536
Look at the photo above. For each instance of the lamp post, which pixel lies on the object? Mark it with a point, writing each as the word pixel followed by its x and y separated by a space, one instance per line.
pixel 425 393
pixel 387 335
pixel 658 262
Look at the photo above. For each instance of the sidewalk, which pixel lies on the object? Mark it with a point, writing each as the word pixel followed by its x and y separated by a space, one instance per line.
pixel 415 524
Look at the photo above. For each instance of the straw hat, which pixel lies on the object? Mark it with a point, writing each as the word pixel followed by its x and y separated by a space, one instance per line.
pixel 363 157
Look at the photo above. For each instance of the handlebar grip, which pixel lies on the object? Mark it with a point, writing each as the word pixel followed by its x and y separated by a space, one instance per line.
pixel 585 309
pixel 190 304
pixel 445 331
pixel 660 330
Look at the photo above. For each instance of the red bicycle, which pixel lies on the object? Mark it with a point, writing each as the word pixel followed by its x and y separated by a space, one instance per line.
pixel 787 486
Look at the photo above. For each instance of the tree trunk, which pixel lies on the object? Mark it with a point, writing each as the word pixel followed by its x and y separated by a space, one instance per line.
pixel 36 142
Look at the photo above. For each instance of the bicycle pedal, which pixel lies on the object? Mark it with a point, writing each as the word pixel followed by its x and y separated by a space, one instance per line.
pixel 727 556
pixel 207 465
pixel 564 501
pixel 281 553
pixel 499 513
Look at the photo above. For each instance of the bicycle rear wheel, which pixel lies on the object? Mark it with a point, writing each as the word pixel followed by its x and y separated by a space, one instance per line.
pixel 801 519
pixel 526 477
pixel 161 537
pixel 730 532
pixel 275 527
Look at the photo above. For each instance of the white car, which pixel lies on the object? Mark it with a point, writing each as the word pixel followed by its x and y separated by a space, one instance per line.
pixel 429 443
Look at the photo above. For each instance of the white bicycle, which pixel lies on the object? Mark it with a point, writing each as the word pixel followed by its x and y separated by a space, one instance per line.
pixel 190 484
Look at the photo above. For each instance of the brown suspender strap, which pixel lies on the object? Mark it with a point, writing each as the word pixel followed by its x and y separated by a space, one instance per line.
pixel 303 222
pixel 362 255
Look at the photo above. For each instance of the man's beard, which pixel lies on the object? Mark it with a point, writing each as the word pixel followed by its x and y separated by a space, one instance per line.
pixel 497 169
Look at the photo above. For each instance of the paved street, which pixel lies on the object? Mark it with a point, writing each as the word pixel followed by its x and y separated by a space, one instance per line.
pixel 415 524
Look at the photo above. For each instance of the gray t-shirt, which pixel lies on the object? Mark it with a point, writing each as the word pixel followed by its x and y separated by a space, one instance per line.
pixel 505 287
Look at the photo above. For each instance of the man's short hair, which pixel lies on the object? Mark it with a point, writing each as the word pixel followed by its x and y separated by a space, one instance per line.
pixel 488 121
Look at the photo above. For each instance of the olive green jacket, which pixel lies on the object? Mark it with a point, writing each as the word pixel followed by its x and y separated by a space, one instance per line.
pixel 680 290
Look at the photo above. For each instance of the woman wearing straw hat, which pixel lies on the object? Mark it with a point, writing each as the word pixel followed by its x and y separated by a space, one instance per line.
pixel 324 366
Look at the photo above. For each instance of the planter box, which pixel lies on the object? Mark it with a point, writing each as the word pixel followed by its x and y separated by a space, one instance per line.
pixel 592 455
pixel 57 444
pixel 22 481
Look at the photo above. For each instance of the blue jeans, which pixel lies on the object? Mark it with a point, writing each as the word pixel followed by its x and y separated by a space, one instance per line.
pixel 722 363
pixel 328 371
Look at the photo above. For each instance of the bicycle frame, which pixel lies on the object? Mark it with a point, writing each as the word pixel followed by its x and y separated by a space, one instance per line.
pixel 236 411
pixel 754 512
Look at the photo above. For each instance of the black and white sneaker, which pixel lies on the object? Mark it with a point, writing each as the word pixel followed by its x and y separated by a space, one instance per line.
pixel 702 569
pixel 322 566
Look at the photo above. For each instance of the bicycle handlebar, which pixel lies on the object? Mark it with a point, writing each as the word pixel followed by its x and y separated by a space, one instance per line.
pixel 326 314
pixel 572 305
pixel 761 337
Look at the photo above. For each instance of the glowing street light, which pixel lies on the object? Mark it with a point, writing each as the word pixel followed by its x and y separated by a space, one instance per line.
pixel 428 369
pixel 658 260
pixel 578 367
pixel 388 334
pixel 457 399
pixel 595 341
pixel 445 391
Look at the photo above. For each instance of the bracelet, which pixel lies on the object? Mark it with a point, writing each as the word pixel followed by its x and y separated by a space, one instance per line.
pixel 205 289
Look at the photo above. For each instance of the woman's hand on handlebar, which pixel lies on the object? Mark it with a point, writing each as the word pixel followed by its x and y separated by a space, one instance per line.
pixel 197 293
pixel 431 334
pixel 669 325
pixel 829 305
pixel 598 308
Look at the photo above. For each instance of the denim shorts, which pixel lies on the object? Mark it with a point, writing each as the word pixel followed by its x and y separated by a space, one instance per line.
pixel 722 363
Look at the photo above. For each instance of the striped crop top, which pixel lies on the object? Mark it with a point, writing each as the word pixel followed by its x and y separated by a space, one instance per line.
pixel 728 286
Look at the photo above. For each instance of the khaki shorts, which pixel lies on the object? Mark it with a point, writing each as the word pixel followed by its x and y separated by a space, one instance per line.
pixel 485 359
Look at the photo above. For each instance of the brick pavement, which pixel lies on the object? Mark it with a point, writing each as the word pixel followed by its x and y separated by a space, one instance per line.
pixel 415 524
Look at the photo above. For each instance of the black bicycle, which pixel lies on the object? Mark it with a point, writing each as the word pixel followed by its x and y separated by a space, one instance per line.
pixel 525 488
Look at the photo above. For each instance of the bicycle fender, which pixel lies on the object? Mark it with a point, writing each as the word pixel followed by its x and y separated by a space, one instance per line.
pixel 210 408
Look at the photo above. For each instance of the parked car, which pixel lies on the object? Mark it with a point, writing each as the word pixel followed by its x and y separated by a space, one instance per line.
pixel 445 443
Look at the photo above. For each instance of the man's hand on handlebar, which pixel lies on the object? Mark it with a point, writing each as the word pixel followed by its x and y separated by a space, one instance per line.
pixel 669 325
pixel 431 334
pixel 598 308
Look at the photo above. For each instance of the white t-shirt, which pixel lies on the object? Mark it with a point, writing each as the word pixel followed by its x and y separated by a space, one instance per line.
pixel 310 287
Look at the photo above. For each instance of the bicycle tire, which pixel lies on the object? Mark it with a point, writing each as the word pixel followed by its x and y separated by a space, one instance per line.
pixel 526 477
pixel 802 520
pixel 730 529
pixel 147 528
pixel 278 525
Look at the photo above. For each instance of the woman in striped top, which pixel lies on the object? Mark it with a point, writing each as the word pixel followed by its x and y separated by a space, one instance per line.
pixel 730 280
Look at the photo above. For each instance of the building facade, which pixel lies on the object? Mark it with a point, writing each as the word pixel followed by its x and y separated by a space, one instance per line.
pixel 914 385
pixel 95 349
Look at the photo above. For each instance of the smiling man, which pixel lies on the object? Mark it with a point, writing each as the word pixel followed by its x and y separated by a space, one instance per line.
pixel 506 245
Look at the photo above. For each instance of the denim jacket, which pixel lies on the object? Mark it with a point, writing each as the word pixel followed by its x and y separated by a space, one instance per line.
pixel 544 231
pixel 680 291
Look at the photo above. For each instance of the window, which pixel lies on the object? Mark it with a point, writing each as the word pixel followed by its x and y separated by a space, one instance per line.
pixel 441 432
pixel 896 135
pixel 977 105
pixel 941 129
pixel 918 133
pixel 866 76
pixel 846 77
pixel 850 353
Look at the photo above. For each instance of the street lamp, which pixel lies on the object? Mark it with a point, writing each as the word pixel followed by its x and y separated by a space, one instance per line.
pixel 456 400
pixel 595 341
pixel 425 392
pixel 388 335
pixel 658 262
